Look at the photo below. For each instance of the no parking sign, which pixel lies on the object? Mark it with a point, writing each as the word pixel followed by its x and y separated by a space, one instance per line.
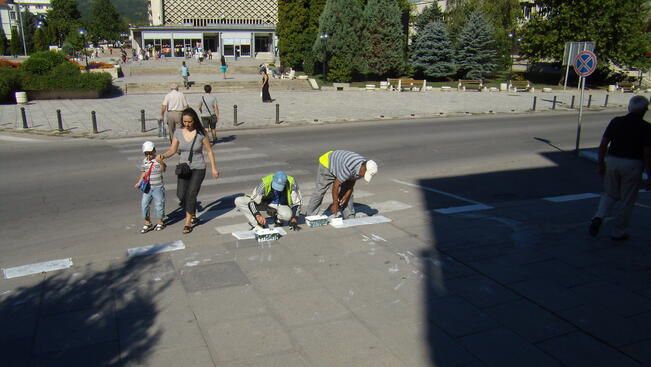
pixel 585 63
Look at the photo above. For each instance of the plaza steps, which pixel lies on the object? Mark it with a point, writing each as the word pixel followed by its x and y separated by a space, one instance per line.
pixel 219 85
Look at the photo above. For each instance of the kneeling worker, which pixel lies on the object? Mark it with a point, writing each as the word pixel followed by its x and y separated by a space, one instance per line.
pixel 341 169
pixel 278 195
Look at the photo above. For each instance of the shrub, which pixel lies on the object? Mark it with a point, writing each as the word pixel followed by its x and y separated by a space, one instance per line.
pixel 43 62
pixel 9 83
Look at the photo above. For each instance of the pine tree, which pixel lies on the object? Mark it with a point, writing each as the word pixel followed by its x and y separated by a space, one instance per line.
pixel 292 21
pixel 430 14
pixel 382 39
pixel 106 23
pixel 15 46
pixel 40 41
pixel 432 52
pixel 63 18
pixel 4 42
pixel 476 55
pixel 340 20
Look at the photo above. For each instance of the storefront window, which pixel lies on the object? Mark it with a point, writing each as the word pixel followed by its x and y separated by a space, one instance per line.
pixel 229 50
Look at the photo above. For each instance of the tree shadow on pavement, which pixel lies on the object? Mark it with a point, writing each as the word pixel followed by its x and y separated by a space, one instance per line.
pixel 85 317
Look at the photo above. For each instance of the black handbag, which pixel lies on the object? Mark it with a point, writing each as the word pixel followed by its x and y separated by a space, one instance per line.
pixel 183 169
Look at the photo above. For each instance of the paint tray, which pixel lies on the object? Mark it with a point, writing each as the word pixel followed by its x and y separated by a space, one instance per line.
pixel 267 234
pixel 316 220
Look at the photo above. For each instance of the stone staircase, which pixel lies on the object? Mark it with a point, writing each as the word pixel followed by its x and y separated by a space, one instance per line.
pixel 219 85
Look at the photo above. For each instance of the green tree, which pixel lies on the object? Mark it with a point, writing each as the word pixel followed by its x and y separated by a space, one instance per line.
pixel 15 46
pixel 40 40
pixel 432 52
pixel 382 41
pixel 476 54
pixel 63 18
pixel 29 29
pixel 617 27
pixel 429 15
pixel 4 42
pixel 106 23
pixel 311 34
pixel 292 21
pixel 340 20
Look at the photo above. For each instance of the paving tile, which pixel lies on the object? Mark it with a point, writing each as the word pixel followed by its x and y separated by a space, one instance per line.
pixel 381 361
pixel 148 299
pixel 186 357
pixel 306 307
pixel 280 360
pixel 528 320
pixel 390 312
pixel 640 351
pixel 438 266
pixel 102 354
pixel 480 291
pixel 547 294
pixel 560 273
pixel 248 338
pixel 474 253
pixel 74 329
pixel 617 299
pixel 501 270
pixel 18 315
pixel 338 343
pixel 625 277
pixel 213 276
pixel 267 254
pixel 606 325
pixel 458 317
pixel 524 256
pixel 578 349
pixel 224 304
pixel 576 255
pixel 282 279
pixel 503 348
pixel 16 352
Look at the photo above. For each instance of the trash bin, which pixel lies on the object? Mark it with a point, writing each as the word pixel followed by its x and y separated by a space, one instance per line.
pixel 503 87
pixel 21 97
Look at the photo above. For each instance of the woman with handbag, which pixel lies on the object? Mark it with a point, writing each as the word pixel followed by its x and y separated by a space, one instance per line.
pixel 191 141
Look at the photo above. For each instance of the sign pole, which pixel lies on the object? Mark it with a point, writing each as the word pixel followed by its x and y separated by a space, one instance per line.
pixel 578 128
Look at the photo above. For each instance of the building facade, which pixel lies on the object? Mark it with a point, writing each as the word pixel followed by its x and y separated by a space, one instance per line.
pixel 245 28
pixel 9 17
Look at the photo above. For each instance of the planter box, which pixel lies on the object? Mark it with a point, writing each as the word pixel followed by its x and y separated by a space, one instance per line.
pixel 63 94
pixel 113 71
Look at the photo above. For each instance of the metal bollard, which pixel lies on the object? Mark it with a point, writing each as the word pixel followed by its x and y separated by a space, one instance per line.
pixel 234 115
pixel 142 121
pixel 94 117
pixel 24 117
pixel 606 101
pixel 554 103
pixel 534 103
pixel 60 121
pixel 277 113
pixel 589 100
pixel 572 105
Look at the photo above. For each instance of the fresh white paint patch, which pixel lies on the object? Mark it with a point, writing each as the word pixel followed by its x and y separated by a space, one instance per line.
pixel 156 249
pixel 354 222
pixel 564 198
pixel 463 209
pixel 239 227
pixel 192 263
pixel 389 206
pixel 24 270
pixel 438 192
pixel 250 235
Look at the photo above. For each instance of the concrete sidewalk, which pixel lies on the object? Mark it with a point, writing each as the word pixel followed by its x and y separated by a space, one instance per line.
pixel 120 116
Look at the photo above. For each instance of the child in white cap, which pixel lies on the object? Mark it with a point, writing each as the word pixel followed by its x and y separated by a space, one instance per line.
pixel 152 171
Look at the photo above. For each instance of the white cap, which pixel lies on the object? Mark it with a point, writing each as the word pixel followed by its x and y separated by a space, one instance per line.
pixel 371 169
pixel 148 146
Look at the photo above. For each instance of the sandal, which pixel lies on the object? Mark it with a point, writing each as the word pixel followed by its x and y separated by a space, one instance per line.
pixel 159 227
pixel 187 229
pixel 195 220
pixel 146 228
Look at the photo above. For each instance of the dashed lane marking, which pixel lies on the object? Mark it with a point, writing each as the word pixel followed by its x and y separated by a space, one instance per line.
pixel 24 270
pixel 156 249
pixel 564 198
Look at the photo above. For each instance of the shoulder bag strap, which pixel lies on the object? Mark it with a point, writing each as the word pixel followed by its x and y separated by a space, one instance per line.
pixel 192 147
pixel 206 104
pixel 149 172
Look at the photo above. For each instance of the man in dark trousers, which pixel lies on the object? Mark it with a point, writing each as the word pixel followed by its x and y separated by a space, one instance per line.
pixel 624 152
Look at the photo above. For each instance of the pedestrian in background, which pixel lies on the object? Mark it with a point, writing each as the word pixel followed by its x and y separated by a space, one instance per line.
pixel 624 152
pixel 193 144
pixel 173 104
pixel 185 74
pixel 266 97
pixel 209 112
pixel 152 171
pixel 224 67
pixel 340 169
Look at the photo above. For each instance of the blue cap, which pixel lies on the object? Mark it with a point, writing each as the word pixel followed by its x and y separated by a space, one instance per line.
pixel 279 181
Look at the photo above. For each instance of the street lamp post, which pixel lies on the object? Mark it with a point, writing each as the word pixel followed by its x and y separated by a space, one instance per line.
pixel 22 31
pixel 324 37
pixel 82 33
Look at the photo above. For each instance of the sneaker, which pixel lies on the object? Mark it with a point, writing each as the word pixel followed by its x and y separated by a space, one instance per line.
pixel 594 226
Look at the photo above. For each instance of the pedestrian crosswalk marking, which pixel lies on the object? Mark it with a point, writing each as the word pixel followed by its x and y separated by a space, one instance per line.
pixel 24 270
pixel 354 222
pixel 564 198
pixel 156 249
pixel 463 209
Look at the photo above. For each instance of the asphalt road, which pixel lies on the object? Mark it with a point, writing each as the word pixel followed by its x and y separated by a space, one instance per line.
pixel 75 197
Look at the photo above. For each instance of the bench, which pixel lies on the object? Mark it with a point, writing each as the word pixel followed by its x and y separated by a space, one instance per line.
pixel 406 84
pixel 626 86
pixel 519 85
pixel 470 83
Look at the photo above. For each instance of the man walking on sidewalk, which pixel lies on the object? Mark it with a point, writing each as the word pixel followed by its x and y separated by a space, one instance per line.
pixel 627 140
pixel 341 169
pixel 209 112
pixel 174 103
pixel 278 195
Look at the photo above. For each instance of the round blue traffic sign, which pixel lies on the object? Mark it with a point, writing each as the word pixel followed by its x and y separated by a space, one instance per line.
pixel 585 63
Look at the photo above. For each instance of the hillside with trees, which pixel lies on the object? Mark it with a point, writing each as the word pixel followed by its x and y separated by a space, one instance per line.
pixel 132 11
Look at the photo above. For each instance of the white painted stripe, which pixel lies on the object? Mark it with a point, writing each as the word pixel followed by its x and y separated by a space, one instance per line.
pixel 239 227
pixel 156 249
pixel 24 270
pixel 564 198
pixel 248 235
pixel 16 138
pixel 240 157
pixel 463 209
pixel 389 206
pixel 362 221
pixel 209 181
pixel 254 164
pixel 438 192
pixel 214 148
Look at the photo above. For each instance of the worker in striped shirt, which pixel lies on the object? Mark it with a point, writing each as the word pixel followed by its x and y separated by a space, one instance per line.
pixel 340 169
